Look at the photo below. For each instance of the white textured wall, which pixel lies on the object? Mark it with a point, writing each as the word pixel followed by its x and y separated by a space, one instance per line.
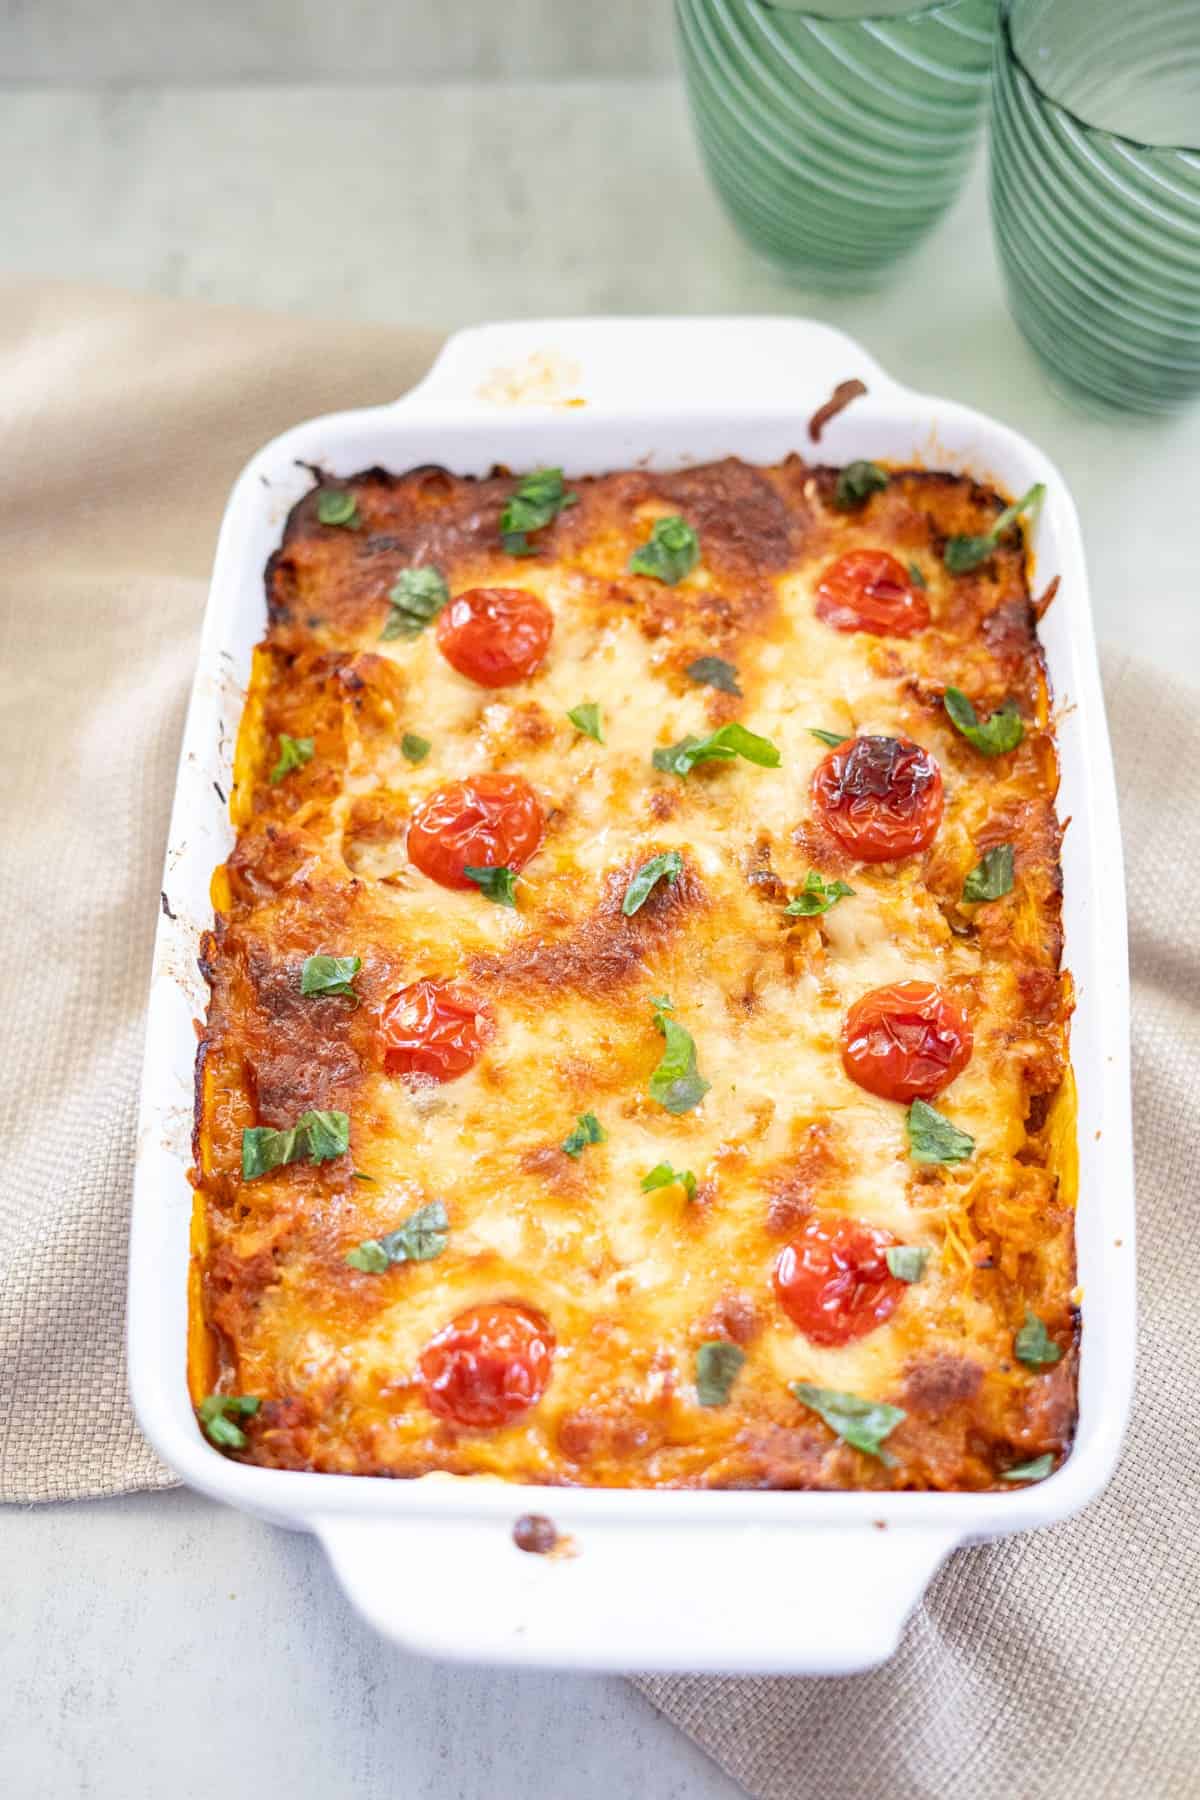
pixel 81 41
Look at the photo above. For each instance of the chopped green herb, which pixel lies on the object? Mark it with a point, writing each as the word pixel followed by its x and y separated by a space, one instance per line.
pixel 671 552
pixel 315 1137
pixel 863 1423
pixel 676 1083
pixel 421 1237
pixel 418 597
pixel 817 896
pixel 589 1130
pixel 330 975
pixel 832 738
pixel 963 554
pixel 1037 1470
pixel 717 1365
pixel 293 754
pixel 915 576
pixel 336 506
pixel 856 483
pixel 720 746
pixel 668 867
pixel 1034 1345
pixel 414 749
pixel 663 1175
pixel 714 672
pixel 906 1261
pixel 214 1412
pixel 586 718
pixel 359 1175
pixel 538 499
pixel 932 1138
pixel 992 736
pixel 499 885
pixel 992 876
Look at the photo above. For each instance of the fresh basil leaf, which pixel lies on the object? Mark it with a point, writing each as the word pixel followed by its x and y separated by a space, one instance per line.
pixel 586 718
pixel 676 1083
pixel 315 1137
pixel 862 1423
pixel 993 736
pixel 1034 1345
pixel 992 876
pixel 330 975
pixel 538 499
pixel 915 576
pixel 421 1237
pixel 817 896
pixel 671 552
pixel 962 554
pixel 498 885
pixel 663 1175
pixel 336 506
pixel 856 483
pixel 906 1261
pixel 370 1257
pixel 293 754
pixel 717 1366
pixel 589 1130
pixel 418 597
pixel 326 1135
pixel 720 746
pixel 414 749
pixel 264 1150
pixel 214 1411
pixel 932 1138
pixel 714 672
pixel 668 867
pixel 832 738
pixel 1037 1470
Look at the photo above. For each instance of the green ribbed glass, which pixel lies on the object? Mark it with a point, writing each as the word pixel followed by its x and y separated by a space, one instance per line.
pixel 1095 183
pixel 837 134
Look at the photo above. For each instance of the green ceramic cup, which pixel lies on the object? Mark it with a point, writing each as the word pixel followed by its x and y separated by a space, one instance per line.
pixel 1095 183
pixel 835 133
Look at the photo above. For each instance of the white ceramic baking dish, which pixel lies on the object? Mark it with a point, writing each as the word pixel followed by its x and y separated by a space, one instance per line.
pixel 775 1582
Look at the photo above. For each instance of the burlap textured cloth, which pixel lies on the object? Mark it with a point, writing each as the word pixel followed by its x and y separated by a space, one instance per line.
pixel 1065 1664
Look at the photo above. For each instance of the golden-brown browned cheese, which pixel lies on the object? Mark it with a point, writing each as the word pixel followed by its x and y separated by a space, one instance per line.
pixel 554 1337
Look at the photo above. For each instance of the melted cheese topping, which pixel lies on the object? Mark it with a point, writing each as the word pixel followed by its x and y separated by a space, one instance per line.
pixel 633 1282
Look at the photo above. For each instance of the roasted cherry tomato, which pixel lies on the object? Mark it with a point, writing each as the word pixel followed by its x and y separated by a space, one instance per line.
pixel 495 635
pixel 833 1281
pixel 431 1029
pixel 488 1365
pixel 485 822
pixel 868 590
pixel 906 1041
pixel 880 797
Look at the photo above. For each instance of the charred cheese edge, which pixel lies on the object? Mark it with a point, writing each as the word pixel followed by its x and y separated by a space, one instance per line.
pixel 631 1282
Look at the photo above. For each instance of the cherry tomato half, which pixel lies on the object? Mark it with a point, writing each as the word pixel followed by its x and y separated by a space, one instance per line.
pixel 906 1041
pixel 833 1282
pixel 868 590
pixel 431 1029
pixel 880 797
pixel 495 635
pixel 485 822
pixel 488 1365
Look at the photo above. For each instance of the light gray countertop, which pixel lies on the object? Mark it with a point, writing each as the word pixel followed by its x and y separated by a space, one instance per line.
pixel 158 1644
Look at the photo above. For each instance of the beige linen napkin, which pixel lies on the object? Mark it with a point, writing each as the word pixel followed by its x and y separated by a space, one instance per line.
pixel 1066 1664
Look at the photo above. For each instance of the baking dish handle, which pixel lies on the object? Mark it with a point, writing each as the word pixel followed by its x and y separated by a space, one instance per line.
pixel 593 367
pixel 635 1596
